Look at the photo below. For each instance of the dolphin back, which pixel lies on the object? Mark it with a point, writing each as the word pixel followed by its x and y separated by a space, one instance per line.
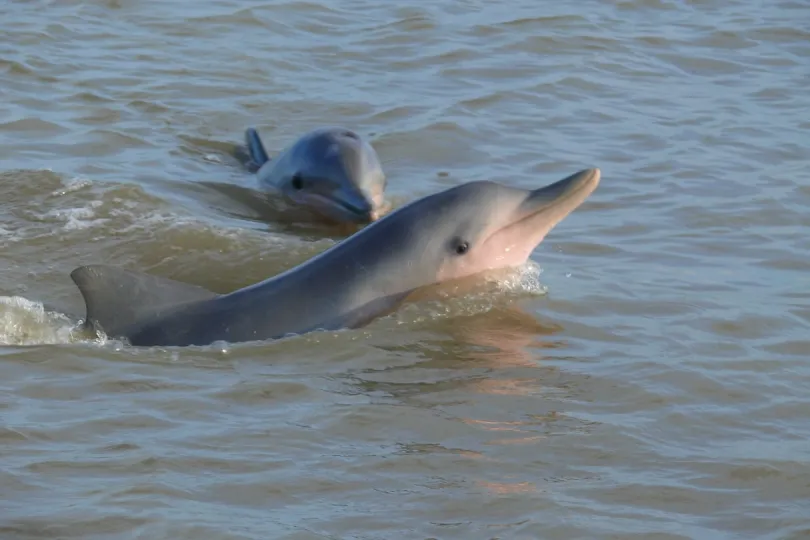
pixel 121 301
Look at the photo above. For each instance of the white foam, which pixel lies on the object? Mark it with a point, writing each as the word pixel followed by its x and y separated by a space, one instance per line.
pixel 23 322
pixel 157 220
pixel 72 184
pixel 521 280
pixel 8 236
pixel 7 233
pixel 524 279
pixel 79 217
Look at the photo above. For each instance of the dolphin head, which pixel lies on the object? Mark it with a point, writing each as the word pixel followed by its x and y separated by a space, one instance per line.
pixel 468 229
pixel 338 175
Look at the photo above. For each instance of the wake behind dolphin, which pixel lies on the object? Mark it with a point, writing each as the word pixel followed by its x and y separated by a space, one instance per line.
pixel 452 234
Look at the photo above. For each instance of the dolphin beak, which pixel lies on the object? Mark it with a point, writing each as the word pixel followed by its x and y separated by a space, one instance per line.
pixel 357 205
pixel 539 212
pixel 555 201
pixel 348 204
pixel 345 206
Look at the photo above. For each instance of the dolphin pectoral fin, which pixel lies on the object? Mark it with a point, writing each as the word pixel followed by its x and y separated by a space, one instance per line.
pixel 119 301
pixel 258 155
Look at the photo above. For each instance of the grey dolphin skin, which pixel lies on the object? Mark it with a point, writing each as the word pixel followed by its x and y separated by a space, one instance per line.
pixel 333 172
pixel 451 234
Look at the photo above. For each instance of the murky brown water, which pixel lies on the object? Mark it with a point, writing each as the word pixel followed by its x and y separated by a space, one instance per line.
pixel 653 384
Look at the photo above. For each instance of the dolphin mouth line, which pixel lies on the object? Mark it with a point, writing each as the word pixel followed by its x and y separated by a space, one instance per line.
pixel 352 208
pixel 343 205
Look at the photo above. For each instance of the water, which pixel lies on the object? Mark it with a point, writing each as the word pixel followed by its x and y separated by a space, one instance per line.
pixel 647 379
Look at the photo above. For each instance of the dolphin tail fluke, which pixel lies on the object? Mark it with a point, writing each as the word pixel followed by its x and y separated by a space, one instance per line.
pixel 119 301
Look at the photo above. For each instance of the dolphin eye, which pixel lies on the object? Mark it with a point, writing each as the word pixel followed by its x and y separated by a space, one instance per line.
pixel 462 247
pixel 297 182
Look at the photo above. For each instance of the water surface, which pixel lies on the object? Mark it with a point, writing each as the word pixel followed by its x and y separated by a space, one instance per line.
pixel 646 377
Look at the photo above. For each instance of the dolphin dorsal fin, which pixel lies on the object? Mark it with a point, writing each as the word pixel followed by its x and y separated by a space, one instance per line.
pixel 258 155
pixel 118 299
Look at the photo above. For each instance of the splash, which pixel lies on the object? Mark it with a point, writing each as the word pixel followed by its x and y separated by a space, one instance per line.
pixel 523 279
pixel 472 296
pixel 70 185
pixel 23 322
pixel 77 218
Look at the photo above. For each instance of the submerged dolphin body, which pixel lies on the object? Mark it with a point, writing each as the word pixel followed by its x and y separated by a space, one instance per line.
pixel 332 172
pixel 459 232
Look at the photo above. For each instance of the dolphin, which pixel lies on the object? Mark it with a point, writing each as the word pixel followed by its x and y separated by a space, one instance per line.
pixel 333 172
pixel 452 234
